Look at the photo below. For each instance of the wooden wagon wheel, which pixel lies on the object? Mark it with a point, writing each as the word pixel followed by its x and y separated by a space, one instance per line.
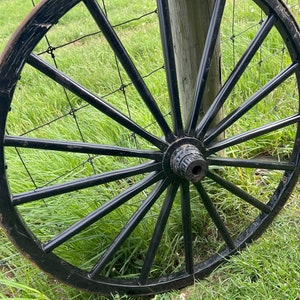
pixel 148 187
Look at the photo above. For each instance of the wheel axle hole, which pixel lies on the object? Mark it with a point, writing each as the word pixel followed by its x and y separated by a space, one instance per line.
pixel 197 170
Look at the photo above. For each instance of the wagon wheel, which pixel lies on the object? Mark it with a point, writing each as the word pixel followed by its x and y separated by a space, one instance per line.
pixel 144 209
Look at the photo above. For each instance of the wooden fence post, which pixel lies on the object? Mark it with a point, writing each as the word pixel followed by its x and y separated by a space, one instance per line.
pixel 190 20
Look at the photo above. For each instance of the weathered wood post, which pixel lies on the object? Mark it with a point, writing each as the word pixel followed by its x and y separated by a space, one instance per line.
pixel 190 20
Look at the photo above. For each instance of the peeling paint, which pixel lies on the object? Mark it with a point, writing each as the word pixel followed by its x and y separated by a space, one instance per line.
pixel 47 26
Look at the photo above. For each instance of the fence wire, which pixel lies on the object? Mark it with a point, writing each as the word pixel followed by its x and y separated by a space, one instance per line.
pixel 51 50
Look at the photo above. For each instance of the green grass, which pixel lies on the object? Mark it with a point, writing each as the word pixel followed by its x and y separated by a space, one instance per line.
pixel 268 269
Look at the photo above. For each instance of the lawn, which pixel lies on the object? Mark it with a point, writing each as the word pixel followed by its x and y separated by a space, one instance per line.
pixel 267 269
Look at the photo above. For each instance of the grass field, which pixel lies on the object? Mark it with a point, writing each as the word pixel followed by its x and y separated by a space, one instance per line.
pixel 268 269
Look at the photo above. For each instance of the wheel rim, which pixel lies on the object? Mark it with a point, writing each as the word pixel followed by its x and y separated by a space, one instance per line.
pixel 155 178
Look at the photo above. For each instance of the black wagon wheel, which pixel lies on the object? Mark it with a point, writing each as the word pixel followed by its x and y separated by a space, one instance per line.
pixel 103 186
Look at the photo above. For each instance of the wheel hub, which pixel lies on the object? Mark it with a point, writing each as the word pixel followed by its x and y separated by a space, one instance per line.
pixel 185 160
pixel 188 163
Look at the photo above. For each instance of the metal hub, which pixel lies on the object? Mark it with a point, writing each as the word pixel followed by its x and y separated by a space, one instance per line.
pixel 187 162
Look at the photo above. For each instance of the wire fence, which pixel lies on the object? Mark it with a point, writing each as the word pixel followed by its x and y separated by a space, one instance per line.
pixel 232 37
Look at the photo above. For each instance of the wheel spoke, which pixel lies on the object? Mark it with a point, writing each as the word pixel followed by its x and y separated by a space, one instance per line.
pixel 254 133
pixel 129 227
pixel 211 209
pixel 158 233
pixel 170 66
pixel 211 113
pixel 208 51
pixel 239 192
pixel 83 183
pixel 256 98
pixel 62 79
pixel 187 226
pixel 101 212
pixel 137 80
pixel 269 164
pixel 78 147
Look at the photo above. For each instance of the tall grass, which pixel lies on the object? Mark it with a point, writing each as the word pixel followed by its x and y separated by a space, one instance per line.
pixel 91 62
